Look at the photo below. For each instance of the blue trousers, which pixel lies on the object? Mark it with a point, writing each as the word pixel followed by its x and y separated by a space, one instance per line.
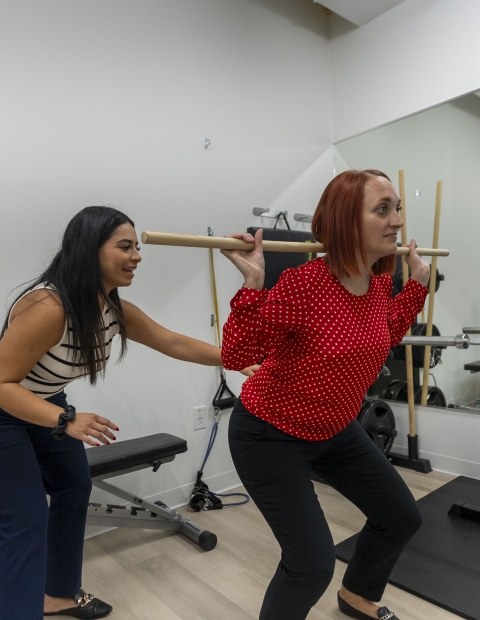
pixel 275 469
pixel 41 547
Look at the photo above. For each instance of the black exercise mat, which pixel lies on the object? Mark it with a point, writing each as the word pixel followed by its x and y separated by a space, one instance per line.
pixel 441 564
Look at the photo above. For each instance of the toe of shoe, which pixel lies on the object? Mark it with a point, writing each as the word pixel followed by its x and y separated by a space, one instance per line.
pixel 93 610
pixel 385 614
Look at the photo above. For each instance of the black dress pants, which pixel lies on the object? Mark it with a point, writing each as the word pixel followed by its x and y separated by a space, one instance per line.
pixel 41 547
pixel 275 469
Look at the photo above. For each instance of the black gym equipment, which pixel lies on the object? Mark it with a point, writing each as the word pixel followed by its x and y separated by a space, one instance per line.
pixel 439 277
pixel 465 511
pixel 435 396
pixel 441 562
pixel 418 352
pixel 398 277
pixel 224 397
pixel 202 498
pixel 277 262
pixel 397 371
pixel 401 392
pixel 377 418
pixel 132 455
pixel 397 390
pixel 391 390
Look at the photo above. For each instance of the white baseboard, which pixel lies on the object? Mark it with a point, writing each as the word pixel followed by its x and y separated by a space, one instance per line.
pixel 446 464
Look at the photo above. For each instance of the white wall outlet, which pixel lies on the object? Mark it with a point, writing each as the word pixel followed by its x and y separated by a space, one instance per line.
pixel 199 418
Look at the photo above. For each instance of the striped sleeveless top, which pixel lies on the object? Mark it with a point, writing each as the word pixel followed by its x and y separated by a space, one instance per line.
pixel 56 369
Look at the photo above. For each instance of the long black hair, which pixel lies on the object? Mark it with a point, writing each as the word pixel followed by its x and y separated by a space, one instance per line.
pixel 75 275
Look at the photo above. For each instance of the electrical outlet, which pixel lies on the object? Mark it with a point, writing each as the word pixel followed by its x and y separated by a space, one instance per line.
pixel 199 418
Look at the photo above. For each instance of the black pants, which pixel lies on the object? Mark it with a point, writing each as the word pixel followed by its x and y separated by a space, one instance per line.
pixel 41 548
pixel 275 469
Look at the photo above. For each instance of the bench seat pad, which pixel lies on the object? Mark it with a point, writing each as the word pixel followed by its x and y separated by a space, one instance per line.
pixel 133 452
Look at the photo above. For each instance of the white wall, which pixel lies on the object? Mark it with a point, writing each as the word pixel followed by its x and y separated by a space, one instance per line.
pixel 417 55
pixel 109 103
pixel 439 144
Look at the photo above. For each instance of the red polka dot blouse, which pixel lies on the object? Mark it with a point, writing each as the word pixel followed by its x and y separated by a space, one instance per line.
pixel 325 346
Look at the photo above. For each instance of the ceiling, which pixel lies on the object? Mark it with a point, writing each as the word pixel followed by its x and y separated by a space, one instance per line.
pixel 359 12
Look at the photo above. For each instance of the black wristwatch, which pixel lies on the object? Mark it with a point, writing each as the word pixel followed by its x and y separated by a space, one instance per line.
pixel 68 415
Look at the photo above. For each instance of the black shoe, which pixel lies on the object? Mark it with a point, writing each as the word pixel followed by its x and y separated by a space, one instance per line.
pixel 383 613
pixel 88 608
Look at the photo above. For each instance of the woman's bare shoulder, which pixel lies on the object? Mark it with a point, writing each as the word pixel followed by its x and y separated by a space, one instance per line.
pixel 40 301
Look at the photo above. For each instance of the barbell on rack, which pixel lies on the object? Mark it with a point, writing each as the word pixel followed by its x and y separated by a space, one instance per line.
pixel 461 341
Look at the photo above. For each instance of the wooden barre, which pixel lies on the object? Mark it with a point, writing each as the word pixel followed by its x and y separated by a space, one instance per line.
pixel 227 243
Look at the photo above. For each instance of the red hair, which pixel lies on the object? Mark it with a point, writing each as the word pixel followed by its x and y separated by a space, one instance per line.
pixel 337 223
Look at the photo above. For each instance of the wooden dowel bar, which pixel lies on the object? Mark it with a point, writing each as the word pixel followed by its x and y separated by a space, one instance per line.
pixel 408 348
pixel 431 297
pixel 227 243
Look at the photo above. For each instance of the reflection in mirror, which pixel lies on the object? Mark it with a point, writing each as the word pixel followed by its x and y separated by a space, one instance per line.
pixel 440 144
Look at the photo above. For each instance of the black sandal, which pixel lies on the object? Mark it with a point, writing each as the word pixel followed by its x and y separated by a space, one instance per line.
pixel 88 608
pixel 383 613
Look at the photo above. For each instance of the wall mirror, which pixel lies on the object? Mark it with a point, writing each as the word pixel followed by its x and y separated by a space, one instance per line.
pixel 439 144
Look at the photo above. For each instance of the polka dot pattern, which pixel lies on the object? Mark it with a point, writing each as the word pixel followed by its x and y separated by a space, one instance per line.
pixel 324 346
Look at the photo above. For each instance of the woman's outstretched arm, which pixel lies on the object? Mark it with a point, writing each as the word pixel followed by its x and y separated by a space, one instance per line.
pixel 141 328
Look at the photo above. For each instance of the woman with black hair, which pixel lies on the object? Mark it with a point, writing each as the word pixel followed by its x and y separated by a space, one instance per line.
pixel 60 329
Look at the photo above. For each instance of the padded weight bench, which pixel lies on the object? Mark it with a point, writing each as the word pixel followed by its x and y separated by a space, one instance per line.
pixel 132 455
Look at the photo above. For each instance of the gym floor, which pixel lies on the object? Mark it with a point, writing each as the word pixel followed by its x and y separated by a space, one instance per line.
pixel 150 575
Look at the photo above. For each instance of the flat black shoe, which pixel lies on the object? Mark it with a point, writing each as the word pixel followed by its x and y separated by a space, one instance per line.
pixel 383 613
pixel 88 608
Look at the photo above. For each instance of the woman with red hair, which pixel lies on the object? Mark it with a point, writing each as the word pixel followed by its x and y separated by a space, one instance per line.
pixel 326 329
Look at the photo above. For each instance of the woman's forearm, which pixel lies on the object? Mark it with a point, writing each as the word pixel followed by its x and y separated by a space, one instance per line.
pixel 23 404
pixel 193 350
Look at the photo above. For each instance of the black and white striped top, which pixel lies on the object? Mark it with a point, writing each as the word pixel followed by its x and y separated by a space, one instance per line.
pixel 56 369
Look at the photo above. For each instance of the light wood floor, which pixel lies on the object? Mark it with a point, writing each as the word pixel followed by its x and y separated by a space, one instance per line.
pixel 151 575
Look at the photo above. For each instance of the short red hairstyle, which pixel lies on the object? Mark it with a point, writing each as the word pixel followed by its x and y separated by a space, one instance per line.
pixel 337 223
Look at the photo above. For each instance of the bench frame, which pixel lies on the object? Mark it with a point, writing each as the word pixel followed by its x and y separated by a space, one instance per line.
pixel 142 513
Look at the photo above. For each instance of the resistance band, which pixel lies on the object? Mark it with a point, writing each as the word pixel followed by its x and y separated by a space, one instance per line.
pixel 202 497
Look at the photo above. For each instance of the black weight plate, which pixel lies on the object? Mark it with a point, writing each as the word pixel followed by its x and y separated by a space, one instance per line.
pixel 386 393
pixel 375 413
pixel 400 392
pixel 435 396
pixel 418 394
pixel 439 277
pixel 399 353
